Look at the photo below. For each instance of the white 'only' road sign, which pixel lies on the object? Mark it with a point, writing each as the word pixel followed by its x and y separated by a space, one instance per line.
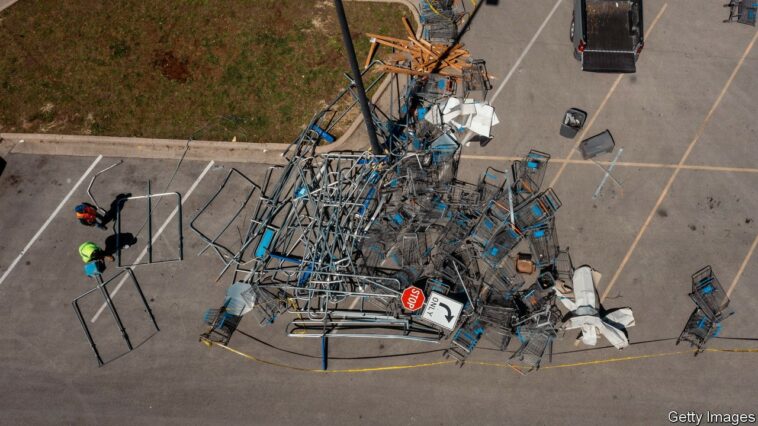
pixel 442 310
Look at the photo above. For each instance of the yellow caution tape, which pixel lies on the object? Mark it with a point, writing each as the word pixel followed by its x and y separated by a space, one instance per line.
pixel 479 363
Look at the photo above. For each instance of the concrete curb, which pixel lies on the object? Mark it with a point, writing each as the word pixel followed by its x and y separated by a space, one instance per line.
pixel 110 146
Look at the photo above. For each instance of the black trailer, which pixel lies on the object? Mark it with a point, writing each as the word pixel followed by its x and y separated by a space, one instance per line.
pixel 608 35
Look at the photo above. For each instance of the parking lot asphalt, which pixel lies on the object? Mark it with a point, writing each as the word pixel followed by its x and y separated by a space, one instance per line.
pixel 687 199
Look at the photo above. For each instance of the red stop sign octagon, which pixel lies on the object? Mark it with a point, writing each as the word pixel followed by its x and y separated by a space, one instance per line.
pixel 413 298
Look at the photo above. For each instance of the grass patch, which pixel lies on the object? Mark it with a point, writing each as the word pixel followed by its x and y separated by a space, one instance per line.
pixel 165 69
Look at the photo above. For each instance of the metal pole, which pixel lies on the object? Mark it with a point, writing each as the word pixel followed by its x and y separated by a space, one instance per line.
pixel 149 224
pixel 181 234
pixel 116 317
pixel 142 296
pixel 92 181
pixel 363 100
pixel 608 174
pixel 78 311
pixel 118 233
pixel 510 206
pixel 324 352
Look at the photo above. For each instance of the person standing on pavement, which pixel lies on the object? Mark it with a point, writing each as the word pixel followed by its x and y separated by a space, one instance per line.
pixel 89 216
pixel 90 251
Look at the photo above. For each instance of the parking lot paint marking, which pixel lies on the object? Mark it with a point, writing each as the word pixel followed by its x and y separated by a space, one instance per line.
pixel 49 219
pixel 526 50
pixel 603 103
pixel 479 363
pixel 719 169
pixel 679 167
pixel 692 167
pixel 157 234
pixel 742 267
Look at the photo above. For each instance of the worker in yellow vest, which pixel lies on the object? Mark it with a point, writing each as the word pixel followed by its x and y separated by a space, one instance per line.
pixel 90 251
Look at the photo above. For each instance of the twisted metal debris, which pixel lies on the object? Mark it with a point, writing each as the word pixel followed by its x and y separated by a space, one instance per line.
pixel 333 240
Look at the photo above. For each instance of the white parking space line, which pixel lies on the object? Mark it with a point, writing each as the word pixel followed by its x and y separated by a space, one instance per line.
pixel 470 134
pixel 526 50
pixel 155 237
pixel 674 175
pixel 49 219
pixel 692 167
pixel 742 267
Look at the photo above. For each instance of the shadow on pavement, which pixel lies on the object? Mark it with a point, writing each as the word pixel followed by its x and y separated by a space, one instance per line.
pixel 116 204
pixel 124 240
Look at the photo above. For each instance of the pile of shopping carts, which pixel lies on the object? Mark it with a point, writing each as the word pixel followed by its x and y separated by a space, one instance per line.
pixel 332 240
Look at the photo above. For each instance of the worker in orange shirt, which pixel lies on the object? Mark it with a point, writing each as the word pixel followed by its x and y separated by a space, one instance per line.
pixel 89 216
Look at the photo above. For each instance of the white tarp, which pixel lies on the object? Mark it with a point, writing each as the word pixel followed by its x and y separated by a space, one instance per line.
pixel 479 117
pixel 586 314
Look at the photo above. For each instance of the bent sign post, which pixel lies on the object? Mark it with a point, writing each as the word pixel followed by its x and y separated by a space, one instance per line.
pixel 442 311
pixel 413 298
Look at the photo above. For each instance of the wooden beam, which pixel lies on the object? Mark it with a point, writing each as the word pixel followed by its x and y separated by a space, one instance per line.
pixel 371 53
pixel 408 28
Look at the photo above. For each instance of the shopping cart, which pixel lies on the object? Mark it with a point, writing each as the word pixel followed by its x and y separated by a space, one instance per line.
pixel 488 225
pixel 503 281
pixel 504 240
pixel 498 322
pixel 460 193
pixel 538 210
pixel 523 187
pixel 465 340
pixel 564 268
pixel 534 165
pixel 492 183
pixel 543 241
pixel 435 87
pixel 534 344
pixel 476 79
pixel 698 330
pixel 222 325
pixel 742 11
pixel 709 295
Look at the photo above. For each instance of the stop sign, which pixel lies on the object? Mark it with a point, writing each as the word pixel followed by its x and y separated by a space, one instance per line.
pixel 413 298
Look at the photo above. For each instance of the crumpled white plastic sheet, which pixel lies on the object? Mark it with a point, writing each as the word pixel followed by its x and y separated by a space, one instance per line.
pixel 479 117
pixel 586 314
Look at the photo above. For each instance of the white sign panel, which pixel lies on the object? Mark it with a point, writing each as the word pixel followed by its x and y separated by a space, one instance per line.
pixel 442 310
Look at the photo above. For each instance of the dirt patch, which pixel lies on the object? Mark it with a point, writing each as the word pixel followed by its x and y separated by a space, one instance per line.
pixel 713 203
pixel 14 180
pixel 172 67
